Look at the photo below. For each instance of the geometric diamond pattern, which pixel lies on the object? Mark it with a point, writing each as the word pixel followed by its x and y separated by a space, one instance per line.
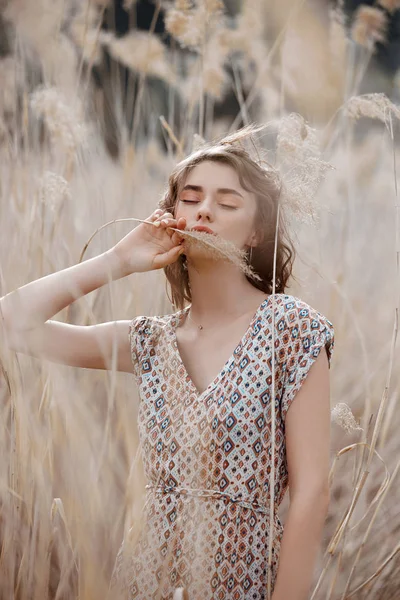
pixel 207 457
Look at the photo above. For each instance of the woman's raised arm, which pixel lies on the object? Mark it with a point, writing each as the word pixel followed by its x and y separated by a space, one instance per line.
pixel 26 311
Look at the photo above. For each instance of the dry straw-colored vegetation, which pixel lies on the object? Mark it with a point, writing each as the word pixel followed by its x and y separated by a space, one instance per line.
pixel 75 155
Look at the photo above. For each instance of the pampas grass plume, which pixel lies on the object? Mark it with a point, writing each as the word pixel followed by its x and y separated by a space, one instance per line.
pixel 53 190
pixel 374 106
pixel 61 120
pixel 213 7
pixel 390 5
pixel 343 416
pixel 301 166
pixel 193 26
pixel 370 26
pixel 141 51
pixel 178 24
pixel 218 248
pixel 183 5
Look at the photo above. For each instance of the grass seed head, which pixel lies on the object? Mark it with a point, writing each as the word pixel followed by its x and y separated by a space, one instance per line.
pixel 343 416
pixel 141 51
pixel 374 106
pixel 369 27
pixel 54 189
pixel 62 122
pixel 218 248
pixel 301 166
pixel 390 5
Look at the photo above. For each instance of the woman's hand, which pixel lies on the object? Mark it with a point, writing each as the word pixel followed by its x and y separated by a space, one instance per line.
pixel 149 247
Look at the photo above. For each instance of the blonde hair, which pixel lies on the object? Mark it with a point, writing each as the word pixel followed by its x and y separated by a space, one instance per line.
pixel 266 185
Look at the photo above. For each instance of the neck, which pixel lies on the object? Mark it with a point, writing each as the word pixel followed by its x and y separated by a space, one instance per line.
pixel 220 290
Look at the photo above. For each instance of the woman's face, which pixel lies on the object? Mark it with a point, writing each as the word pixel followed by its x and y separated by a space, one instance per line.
pixel 212 197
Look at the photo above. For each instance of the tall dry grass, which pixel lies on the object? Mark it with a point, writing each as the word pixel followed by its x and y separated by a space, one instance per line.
pixel 70 474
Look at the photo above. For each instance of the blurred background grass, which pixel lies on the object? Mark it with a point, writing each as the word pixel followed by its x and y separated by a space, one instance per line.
pixel 83 85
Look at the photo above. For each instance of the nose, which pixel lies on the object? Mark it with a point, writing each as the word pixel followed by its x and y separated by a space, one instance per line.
pixel 204 211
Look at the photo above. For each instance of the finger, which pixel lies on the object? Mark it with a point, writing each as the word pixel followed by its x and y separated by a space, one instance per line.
pixel 181 223
pixel 176 238
pixel 168 225
pixel 155 216
pixel 165 218
pixel 165 215
pixel 167 258
pixel 168 222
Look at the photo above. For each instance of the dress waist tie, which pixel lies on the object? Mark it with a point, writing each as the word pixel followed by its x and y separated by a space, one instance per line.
pixel 207 493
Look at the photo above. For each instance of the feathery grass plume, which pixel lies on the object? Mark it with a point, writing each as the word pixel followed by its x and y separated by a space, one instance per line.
pixel 184 5
pixel 213 7
pixel 36 22
pixel 53 190
pixel 390 5
pixel 200 28
pixel 214 74
pixel 214 79
pixel 179 24
pixel 141 51
pixel 374 106
pixel 253 45
pixel 62 121
pixel 369 27
pixel 190 25
pixel 342 415
pixel 218 248
pixel 301 167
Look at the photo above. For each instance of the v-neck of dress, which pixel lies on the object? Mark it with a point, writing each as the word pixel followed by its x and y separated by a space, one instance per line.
pixel 177 319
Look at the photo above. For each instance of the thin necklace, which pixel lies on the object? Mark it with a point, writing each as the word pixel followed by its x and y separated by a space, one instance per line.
pixel 200 327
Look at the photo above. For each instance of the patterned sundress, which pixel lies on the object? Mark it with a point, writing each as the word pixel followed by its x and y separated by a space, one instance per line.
pixel 207 456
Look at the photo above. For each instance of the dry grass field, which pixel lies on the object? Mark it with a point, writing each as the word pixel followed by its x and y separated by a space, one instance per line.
pixel 90 127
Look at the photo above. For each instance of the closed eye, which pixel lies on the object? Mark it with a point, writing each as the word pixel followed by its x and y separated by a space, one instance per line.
pixel 185 201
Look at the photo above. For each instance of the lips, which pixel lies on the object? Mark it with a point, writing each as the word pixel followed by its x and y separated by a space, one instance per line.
pixel 203 228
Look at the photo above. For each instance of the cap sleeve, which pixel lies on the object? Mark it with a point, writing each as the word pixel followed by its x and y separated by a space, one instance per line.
pixel 138 329
pixel 309 332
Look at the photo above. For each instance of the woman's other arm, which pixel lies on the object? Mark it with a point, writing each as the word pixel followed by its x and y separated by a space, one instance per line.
pixel 26 311
pixel 308 459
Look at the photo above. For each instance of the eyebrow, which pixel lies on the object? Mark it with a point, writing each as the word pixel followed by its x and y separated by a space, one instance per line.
pixel 198 188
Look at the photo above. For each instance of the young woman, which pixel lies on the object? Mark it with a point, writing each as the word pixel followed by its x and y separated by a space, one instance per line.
pixel 221 441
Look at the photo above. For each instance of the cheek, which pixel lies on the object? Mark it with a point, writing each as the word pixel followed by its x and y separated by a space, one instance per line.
pixel 177 211
pixel 241 227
